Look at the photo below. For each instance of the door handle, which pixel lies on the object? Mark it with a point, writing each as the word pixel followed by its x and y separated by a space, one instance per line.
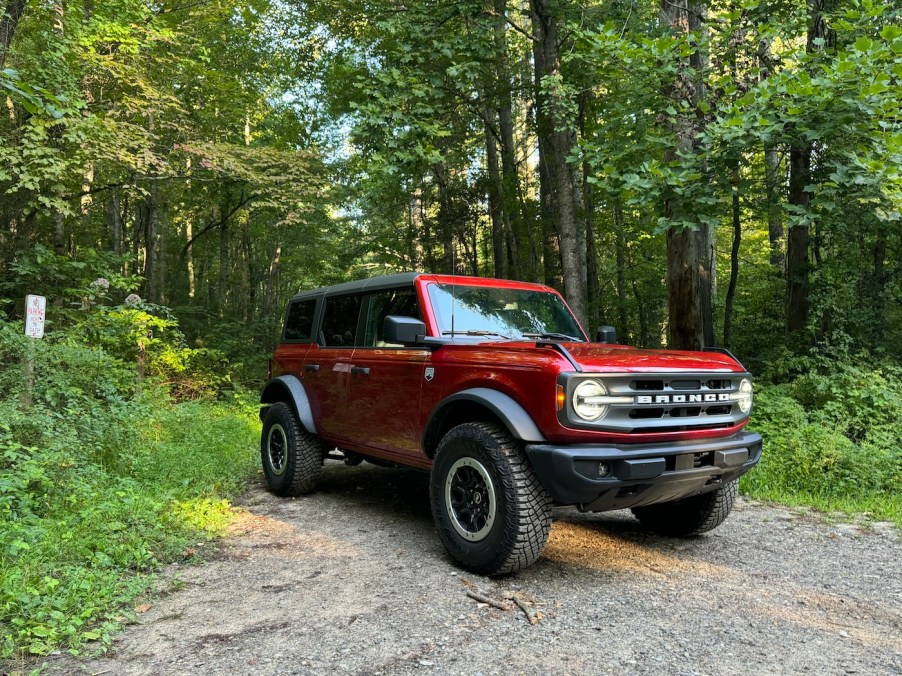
pixel 362 370
pixel 311 367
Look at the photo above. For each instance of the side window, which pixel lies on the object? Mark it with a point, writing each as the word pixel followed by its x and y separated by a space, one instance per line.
pixel 299 322
pixel 340 321
pixel 400 302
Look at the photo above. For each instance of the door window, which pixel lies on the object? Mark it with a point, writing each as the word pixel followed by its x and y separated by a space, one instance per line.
pixel 399 302
pixel 340 321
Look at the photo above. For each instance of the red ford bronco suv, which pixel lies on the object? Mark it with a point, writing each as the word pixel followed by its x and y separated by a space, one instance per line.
pixel 494 388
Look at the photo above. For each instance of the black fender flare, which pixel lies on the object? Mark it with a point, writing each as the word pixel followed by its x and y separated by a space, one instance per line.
pixel 291 390
pixel 505 407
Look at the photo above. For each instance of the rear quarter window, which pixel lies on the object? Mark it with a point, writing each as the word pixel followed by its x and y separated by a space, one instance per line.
pixel 299 321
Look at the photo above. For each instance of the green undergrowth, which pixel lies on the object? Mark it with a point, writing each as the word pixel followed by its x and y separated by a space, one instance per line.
pixel 832 440
pixel 100 486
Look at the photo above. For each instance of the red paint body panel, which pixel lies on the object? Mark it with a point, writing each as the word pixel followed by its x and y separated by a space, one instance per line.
pixel 385 412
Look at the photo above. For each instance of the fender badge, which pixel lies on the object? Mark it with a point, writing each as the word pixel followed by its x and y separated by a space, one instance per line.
pixel 429 374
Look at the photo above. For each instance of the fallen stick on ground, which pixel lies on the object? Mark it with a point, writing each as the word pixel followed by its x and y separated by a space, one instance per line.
pixel 482 598
pixel 521 600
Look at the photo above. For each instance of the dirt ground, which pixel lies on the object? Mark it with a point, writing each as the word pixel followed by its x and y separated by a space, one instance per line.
pixel 353 579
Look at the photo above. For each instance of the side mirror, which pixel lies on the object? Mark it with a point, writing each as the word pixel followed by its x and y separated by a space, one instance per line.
pixel 606 334
pixel 403 330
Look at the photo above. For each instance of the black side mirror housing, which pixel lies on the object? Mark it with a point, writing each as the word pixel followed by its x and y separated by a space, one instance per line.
pixel 403 330
pixel 606 334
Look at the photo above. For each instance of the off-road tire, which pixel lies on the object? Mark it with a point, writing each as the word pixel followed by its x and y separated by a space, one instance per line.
pixel 522 513
pixel 292 458
pixel 689 516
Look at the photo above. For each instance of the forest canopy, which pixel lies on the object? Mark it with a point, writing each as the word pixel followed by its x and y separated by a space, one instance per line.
pixel 695 173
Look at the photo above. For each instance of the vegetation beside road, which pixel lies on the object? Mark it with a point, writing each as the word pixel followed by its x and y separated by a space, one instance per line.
pixel 100 485
pixel 831 439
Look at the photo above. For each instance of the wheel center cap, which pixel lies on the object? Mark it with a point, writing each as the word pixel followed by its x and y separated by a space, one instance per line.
pixel 477 498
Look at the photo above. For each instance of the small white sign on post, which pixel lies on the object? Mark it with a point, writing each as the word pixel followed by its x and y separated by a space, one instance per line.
pixel 35 310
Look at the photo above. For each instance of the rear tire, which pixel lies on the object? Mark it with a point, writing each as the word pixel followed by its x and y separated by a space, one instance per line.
pixel 292 458
pixel 689 516
pixel 492 513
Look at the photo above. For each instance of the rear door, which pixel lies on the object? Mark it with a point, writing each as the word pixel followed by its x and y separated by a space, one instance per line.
pixel 385 379
pixel 327 366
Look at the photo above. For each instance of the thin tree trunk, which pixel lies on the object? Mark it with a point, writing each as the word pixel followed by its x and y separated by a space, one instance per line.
pixel 445 220
pixel 880 278
pixel 58 219
pixel 620 253
pixel 269 294
pixel 114 221
pixel 161 257
pixel 223 254
pixel 496 200
pixel 734 262
pixel 774 180
pixel 245 274
pixel 797 267
pixel 513 212
pixel 189 256
pixel 150 238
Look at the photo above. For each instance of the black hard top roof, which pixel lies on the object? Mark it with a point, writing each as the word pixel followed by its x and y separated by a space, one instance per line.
pixel 372 284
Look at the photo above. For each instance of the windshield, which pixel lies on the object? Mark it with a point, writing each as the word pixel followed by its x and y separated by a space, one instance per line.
pixel 499 313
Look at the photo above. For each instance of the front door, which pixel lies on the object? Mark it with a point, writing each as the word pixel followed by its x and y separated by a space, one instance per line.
pixel 385 379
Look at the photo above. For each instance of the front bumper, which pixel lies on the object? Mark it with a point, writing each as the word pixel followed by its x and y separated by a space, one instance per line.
pixel 641 474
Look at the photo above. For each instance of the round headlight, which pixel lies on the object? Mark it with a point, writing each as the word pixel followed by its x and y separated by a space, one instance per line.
pixel 585 400
pixel 743 396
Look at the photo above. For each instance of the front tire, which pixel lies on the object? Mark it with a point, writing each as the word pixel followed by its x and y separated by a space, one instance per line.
pixel 492 513
pixel 292 458
pixel 689 516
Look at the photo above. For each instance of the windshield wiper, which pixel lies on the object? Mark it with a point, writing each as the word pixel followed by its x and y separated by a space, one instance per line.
pixel 551 335
pixel 476 333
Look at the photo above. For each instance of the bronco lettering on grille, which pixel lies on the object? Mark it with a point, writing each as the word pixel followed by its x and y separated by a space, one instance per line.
pixel 681 398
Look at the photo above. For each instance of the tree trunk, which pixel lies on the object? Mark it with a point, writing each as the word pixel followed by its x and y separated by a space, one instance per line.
pixel 150 238
pixel 445 218
pixel 223 255
pixel 798 244
pixel 689 259
pixel 517 236
pixel 797 267
pixel 593 288
pixel 269 295
pixel 734 263
pixel 161 256
pixel 245 249
pixel 773 177
pixel 620 253
pixel 114 221
pixel 495 199
pixel 58 219
pixel 9 21
pixel 189 256
pixel 556 142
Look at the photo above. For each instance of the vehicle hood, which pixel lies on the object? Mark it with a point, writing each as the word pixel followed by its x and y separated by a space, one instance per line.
pixel 599 358
pixel 611 358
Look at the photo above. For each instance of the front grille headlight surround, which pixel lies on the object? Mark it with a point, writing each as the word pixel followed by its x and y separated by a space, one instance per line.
pixel 590 401
pixel 743 395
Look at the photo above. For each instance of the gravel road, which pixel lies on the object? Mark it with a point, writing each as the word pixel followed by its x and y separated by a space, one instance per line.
pixel 353 579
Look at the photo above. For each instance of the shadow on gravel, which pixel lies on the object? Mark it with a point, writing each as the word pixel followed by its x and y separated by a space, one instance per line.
pixel 609 542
